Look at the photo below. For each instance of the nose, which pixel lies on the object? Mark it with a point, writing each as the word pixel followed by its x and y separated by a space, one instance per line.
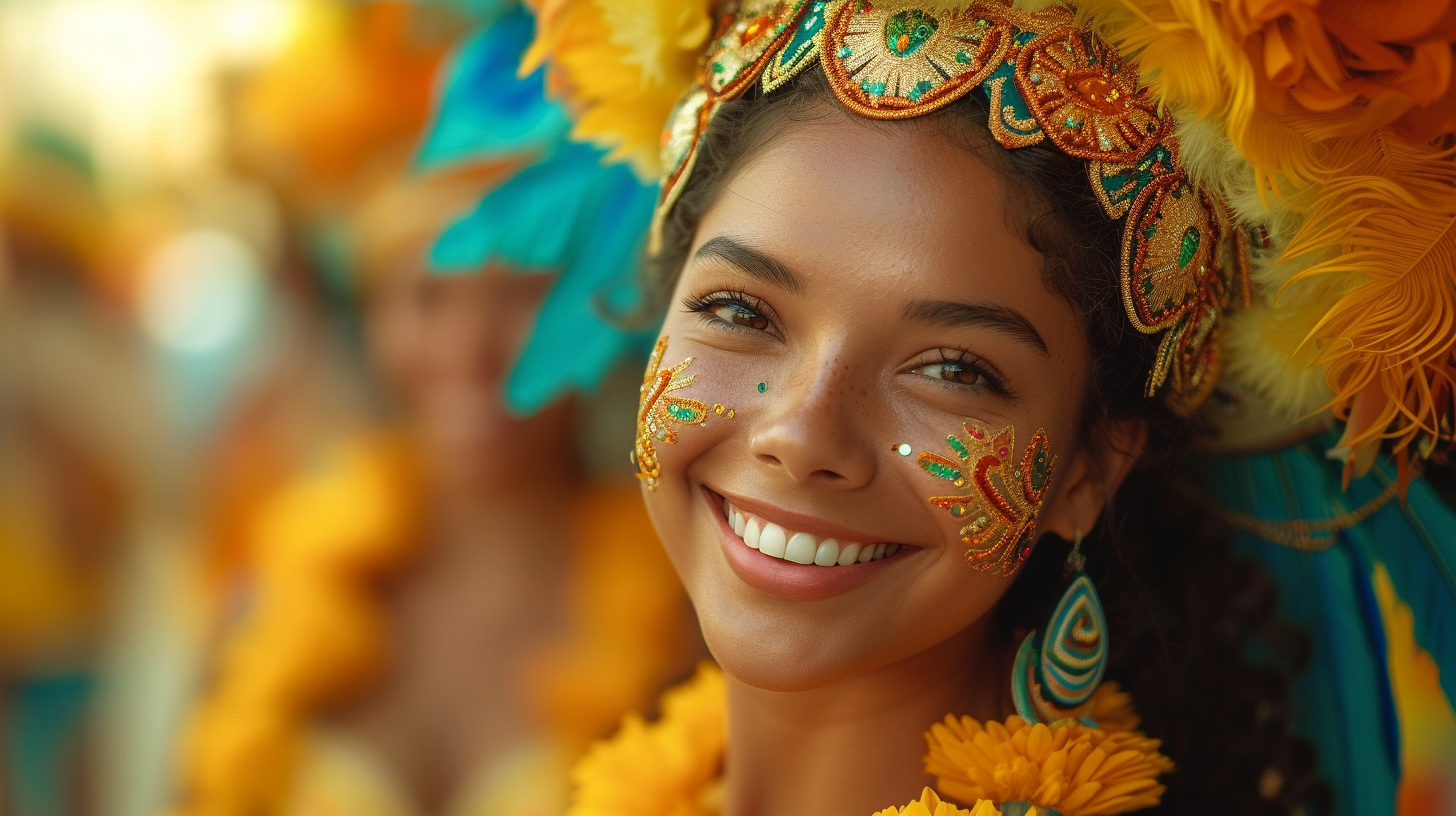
pixel 814 432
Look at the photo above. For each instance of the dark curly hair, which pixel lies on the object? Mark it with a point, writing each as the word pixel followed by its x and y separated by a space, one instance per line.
pixel 1183 612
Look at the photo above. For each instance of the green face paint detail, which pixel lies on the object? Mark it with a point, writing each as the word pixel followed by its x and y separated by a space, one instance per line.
pixel 957 446
pixel 762 387
pixel 1039 471
pixel 907 30
pixel 946 472
pixel 1189 247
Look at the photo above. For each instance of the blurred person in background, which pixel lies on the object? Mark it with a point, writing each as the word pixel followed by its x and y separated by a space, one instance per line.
pixel 445 604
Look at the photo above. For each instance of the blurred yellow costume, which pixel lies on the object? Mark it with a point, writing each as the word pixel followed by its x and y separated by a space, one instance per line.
pixel 325 544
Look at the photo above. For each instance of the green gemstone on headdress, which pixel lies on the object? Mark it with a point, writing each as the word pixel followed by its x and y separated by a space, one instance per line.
pixel 845 52
pixel 873 88
pixel 907 30
pixel 920 89
pixel 963 58
pixel 1189 247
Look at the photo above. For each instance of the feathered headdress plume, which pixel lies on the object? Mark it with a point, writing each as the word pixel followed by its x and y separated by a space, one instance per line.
pixel 1325 124
pixel 1344 112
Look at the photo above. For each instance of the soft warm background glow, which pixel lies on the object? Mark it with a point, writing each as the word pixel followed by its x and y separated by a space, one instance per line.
pixel 178 327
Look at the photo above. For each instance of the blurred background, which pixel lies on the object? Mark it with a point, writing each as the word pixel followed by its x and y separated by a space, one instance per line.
pixel 258 484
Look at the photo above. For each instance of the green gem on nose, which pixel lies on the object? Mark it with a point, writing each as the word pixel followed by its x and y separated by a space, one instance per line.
pixel 1189 246
pixel 907 30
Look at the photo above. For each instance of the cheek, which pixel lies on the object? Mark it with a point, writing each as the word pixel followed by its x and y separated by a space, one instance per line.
pixel 992 483
pixel 693 401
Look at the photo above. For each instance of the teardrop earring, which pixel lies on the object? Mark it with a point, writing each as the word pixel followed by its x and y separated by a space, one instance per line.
pixel 1060 665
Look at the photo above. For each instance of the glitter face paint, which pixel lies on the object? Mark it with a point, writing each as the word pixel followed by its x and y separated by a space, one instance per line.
pixel 1004 492
pixel 659 414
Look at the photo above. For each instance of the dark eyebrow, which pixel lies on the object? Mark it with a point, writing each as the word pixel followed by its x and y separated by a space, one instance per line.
pixel 997 318
pixel 751 262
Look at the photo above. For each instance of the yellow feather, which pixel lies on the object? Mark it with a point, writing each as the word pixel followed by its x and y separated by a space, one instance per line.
pixel 1389 218
pixel 1262 345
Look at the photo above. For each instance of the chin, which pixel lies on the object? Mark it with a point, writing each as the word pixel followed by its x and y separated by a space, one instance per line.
pixel 773 661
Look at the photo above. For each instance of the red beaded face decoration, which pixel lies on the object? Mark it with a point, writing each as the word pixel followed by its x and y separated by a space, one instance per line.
pixel 1005 492
pixel 1046 80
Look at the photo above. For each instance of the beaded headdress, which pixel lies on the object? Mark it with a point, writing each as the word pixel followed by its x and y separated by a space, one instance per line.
pixel 1047 80
pixel 1312 184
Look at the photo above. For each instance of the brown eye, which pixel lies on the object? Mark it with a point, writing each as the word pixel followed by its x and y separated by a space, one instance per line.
pixel 954 372
pixel 739 315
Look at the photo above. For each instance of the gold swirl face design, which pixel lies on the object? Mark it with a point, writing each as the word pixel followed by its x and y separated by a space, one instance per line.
pixel 659 414
pixel 1004 495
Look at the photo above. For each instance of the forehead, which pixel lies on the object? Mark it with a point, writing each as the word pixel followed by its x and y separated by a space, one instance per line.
pixel 886 208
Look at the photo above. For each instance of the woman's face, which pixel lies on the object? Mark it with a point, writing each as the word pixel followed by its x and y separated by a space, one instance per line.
pixel 444 345
pixel 868 276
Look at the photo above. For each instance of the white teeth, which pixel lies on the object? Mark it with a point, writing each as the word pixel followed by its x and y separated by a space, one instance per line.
pixel 774 541
pixel 828 553
pixel 801 548
pixel 751 532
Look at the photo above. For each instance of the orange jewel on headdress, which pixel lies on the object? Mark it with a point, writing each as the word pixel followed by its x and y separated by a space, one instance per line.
pixel 1087 99
pixel 735 57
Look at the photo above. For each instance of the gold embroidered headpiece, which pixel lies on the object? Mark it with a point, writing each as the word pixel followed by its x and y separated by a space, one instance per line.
pixel 1047 80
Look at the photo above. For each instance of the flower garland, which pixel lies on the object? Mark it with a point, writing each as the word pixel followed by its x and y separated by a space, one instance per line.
pixel 673 767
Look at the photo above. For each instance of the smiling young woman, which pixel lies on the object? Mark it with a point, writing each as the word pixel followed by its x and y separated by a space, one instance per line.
pixel 944 290
pixel 936 283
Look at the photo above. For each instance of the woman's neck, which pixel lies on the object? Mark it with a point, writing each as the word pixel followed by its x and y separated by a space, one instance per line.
pixel 856 746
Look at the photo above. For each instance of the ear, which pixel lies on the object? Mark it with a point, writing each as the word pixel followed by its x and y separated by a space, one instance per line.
pixel 1093 476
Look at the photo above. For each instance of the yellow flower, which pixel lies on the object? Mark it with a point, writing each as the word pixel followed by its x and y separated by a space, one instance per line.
pixel 667 768
pixel 1374 63
pixel 1285 75
pixel 1112 709
pixel 1068 767
pixel 621 66
pixel 930 805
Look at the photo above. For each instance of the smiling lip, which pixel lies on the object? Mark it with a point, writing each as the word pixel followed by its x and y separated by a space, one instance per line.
pixel 786 579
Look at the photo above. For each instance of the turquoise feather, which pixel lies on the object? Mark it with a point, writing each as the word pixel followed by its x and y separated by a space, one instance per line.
pixel 1342 702
pixel 564 213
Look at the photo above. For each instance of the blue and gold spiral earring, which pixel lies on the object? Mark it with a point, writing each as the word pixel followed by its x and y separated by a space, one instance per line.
pixel 1060 665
